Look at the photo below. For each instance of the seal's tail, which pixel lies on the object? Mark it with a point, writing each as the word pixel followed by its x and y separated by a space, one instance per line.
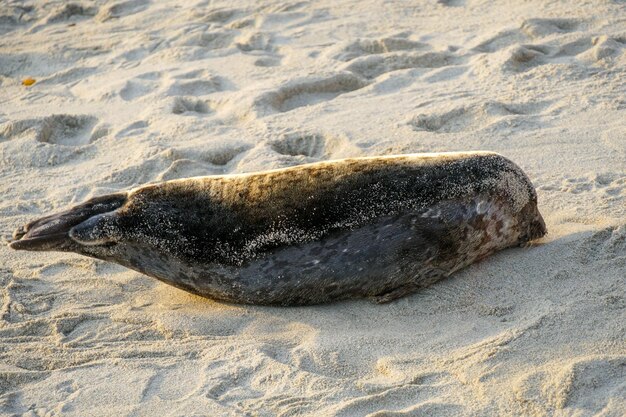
pixel 51 233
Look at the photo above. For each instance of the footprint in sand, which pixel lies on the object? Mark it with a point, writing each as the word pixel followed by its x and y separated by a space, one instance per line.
pixel 195 83
pixel 542 27
pixel 133 89
pixel 590 384
pixel 178 163
pixel 209 161
pixel 370 58
pixel 219 16
pixel 120 9
pixel 70 12
pixel 375 65
pixel 134 128
pixel 560 47
pixel 363 47
pixel 525 57
pixel 315 146
pixel 68 130
pixel 474 117
pixel 26 299
pixel 184 105
pixel 529 30
pixel 14 16
pixel 254 41
pixel 307 92
pixel 57 129
pixel 604 245
pixel 194 87
pixel 451 3
pixel 267 62
pixel 205 38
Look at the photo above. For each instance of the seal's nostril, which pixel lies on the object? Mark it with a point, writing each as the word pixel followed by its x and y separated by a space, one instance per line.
pixel 19 233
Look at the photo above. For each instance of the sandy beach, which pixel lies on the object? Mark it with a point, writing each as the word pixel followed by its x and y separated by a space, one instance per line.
pixel 131 92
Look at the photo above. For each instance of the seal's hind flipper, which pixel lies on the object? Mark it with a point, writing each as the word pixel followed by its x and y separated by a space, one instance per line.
pixel 394 294
pixel 53 232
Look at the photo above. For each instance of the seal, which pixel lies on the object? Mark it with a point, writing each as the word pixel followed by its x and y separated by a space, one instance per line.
pixel 378 227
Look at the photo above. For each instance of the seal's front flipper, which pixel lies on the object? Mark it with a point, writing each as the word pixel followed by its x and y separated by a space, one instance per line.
pixel 53 232
pixel 97 230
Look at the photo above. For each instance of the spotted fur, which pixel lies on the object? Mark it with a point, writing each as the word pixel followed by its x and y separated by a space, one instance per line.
pixel 378 227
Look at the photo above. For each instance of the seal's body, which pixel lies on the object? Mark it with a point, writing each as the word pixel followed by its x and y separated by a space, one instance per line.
pixel 377 227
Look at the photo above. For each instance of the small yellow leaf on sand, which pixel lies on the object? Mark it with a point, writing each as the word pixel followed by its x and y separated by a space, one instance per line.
pixel 28 81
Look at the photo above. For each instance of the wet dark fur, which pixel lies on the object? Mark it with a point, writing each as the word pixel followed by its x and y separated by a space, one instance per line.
pixel 363 227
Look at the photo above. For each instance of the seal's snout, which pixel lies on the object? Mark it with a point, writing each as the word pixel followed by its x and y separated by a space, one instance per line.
pixel 19 232
pixel 53 232
pixel 46 233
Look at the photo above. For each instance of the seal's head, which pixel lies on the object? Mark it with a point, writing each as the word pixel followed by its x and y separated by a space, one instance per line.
pixel 54 232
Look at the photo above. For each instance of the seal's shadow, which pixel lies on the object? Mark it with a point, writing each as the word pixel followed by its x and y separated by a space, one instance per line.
pixel 503 293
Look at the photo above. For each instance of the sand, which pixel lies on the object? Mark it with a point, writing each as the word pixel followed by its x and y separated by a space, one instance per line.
pixel 133 92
